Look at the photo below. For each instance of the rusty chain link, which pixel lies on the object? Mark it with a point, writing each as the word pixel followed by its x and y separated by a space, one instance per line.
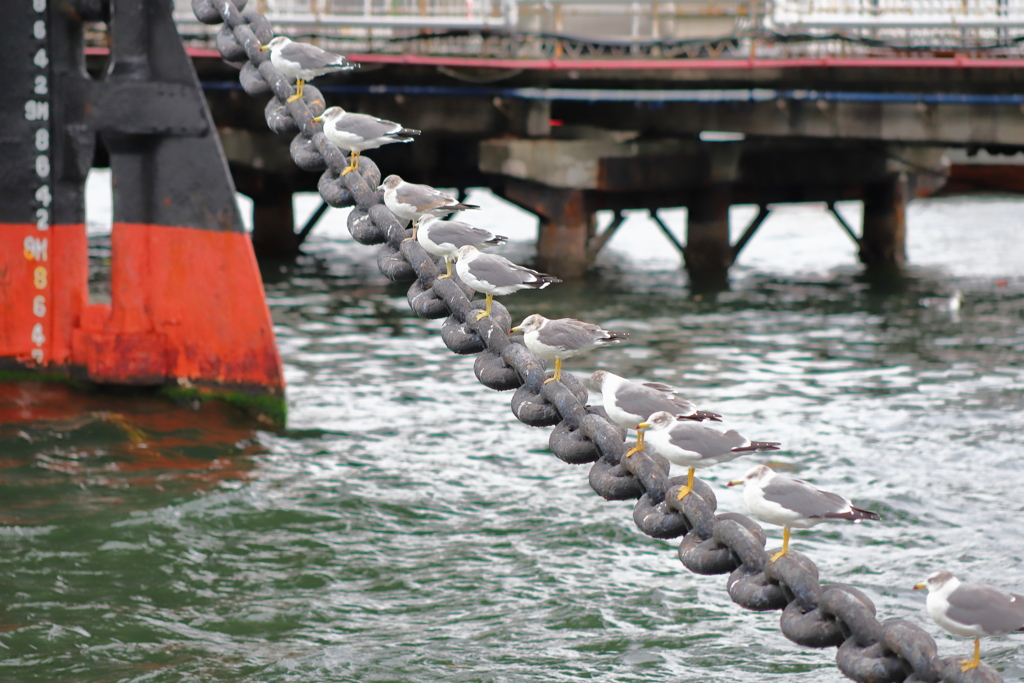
pixel 813 615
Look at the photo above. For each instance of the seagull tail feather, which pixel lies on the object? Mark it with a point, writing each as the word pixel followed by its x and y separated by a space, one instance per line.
pixel 855 515
pixel 462 207
pixel 759 446
pixel 406 131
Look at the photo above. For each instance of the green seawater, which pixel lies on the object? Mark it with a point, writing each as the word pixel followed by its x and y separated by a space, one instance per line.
pixel 405 528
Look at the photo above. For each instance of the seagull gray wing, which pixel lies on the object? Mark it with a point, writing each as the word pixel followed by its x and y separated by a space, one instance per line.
pixel 458 234
pixel 993 610
pixel 646 399
pixel 422 197
pixel 367 127
pixel 311 57
pixel 500 272
pixel 708 442
pixel 804 499
pixel 570 334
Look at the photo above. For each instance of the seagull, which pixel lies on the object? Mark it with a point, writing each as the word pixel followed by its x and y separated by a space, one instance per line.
pixel 445 238
pixel 411 202
pixel 788 502
pixel 490 275
pixel 950 304
pixel 303 62
pixel 356 132
pixel 972 609
pixel 691 444
pixel 629 403
pixel 563 338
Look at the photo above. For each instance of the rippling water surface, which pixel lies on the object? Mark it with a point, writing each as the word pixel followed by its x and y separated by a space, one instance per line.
pixel 405 527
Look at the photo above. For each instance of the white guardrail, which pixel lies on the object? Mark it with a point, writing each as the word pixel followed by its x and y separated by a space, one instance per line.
pixel 371 24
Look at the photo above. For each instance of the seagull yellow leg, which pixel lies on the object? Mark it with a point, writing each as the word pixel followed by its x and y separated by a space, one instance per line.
pixel 683 493
pixel 558 372
pixel 298 91
pixel 448 263
pixel 638 447
pixel 968 664
pixel 785 545
pixel 353 163
pixel 415 225
pixel 487 308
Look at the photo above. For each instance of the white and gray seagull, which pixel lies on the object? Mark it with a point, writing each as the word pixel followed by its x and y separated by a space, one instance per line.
pixel 411 202
pixel 495 275
pixel 691 444
pixel 303 62
pixel 445 238
pixel 793 503
pixel 972 610
pixel 629 403
pixel 357 132
pixel 564 338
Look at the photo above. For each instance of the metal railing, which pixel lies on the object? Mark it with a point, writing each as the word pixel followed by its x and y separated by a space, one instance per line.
pixel 644 28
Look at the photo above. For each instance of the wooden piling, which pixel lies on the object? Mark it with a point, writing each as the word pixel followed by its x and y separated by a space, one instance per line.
pixel 883 240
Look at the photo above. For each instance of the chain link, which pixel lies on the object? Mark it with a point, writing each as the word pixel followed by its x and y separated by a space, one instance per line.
pixel 812 615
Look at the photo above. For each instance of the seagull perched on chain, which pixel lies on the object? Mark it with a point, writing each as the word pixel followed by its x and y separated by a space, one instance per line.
pixel 445 238
pixel 411 202
pixel 303 62
pixel 490 274
pixel 691 444
pixel 787 502
pixel 972 610
pixel 357 132
pixel 564 338
pixel 629 403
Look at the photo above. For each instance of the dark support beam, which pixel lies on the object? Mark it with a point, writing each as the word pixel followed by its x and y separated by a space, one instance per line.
pixel 668 233
pixel 843 224
pixel 597 243
pixel 885 222
pixel 762 213
pixel 708 254
pixel 313 220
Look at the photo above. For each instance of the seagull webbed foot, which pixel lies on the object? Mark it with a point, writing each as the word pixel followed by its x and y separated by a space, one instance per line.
pixel 684 492
pixel 968 664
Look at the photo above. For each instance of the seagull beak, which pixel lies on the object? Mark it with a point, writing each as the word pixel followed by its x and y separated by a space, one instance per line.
pixel 735 482
pixel 379 188
pixel 919 586
pixel 263 48
pixel 644 425
pixel 318 119
pixel 515 329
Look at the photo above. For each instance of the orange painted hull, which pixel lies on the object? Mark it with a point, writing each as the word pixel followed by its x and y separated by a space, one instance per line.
pixel 187 307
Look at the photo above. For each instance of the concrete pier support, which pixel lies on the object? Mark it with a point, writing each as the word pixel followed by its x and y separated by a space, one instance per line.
pixel 564 235
pixel 883 240
pixel 708 252
pixel 567 226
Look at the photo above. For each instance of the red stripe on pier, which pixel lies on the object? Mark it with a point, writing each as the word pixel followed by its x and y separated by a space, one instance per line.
pixel 957 62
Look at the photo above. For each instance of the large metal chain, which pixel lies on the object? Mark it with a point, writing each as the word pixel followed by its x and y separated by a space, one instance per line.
pixel 813 615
